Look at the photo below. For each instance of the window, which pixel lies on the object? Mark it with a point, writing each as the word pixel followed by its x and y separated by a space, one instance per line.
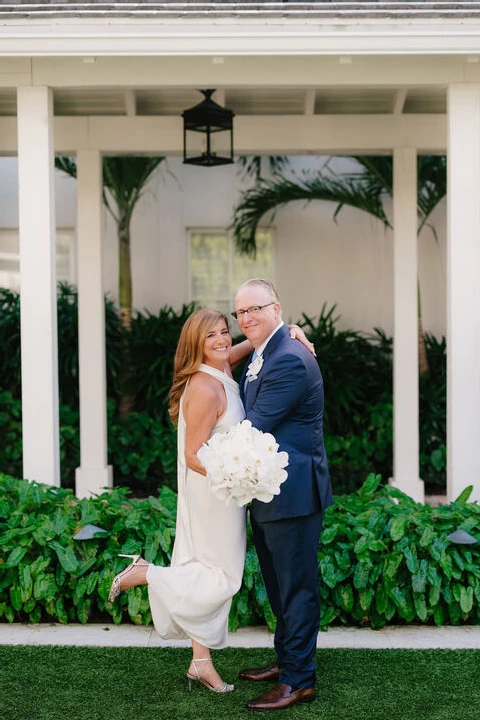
pixel 10 258
pixel 217 268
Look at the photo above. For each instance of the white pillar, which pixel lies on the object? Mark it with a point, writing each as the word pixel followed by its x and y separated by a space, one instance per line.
pixel 405 337
pixel 94 474
pixel 463 290
pixel 38 298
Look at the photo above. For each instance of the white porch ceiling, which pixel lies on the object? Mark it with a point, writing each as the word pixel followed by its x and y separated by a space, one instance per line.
pixel 268 121
pixel 78 102
pixel 278 120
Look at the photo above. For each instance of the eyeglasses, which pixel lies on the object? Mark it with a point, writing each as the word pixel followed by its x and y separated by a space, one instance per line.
pixel 253 310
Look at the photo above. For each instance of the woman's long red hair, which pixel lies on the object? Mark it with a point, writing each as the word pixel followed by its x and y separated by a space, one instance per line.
pixel 189 354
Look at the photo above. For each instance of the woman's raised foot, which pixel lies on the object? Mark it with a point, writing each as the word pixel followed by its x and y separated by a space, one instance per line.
pixel 133 575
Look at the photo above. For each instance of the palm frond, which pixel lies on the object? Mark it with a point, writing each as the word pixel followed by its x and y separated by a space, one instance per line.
pixel 432 185
pixel 251 165
pixel 269 195
pixel 364 189
pixel 67 165
pixel 125 178
pixel 377 172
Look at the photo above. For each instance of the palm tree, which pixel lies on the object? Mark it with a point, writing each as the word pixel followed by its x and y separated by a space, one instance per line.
pixel 124 180
pixel 251 166
pixel 364 189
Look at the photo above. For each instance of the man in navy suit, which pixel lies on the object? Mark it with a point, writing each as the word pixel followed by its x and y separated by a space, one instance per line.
pixel 282 390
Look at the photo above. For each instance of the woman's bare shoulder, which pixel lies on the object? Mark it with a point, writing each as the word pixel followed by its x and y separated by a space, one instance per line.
pixel 204 386
pixel 205 399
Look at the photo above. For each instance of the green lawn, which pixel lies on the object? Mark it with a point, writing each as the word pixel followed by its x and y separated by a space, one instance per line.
pixel 62 683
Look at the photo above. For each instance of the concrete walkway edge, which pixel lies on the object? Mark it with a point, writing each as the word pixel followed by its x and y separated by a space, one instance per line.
pixel 408 636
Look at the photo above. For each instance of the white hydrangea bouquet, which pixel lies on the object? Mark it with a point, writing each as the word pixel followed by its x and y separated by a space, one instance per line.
pixel 243 464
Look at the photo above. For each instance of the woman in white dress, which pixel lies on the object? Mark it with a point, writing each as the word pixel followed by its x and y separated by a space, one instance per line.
pixel 192 597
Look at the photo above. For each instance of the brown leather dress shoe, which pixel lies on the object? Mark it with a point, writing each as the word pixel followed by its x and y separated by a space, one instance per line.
pixel 282 696
pixel 270 673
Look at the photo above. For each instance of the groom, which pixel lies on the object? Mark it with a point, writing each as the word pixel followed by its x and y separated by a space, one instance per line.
pixel 282 390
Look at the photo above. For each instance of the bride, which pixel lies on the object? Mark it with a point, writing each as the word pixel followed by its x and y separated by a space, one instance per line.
pixel 192 597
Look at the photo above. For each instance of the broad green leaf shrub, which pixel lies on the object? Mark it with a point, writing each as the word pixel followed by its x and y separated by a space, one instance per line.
pixel 46 575
pixel 386 559
pixel 383 558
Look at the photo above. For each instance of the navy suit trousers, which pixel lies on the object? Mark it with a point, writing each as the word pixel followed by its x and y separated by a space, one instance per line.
pixel 287 551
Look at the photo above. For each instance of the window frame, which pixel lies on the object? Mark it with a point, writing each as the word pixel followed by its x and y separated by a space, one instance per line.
pixel 197 230
pixel 64 236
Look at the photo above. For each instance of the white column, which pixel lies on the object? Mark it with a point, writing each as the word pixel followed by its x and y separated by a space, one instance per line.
pixel 94 474
pixel 38 299
pixel 405 336
pixel 463 290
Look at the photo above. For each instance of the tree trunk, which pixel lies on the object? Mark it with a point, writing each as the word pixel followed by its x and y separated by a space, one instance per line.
pixel 124 274
pixel 422 349
pixel 125 301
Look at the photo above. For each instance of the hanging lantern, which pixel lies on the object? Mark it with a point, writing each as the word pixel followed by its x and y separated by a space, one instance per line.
pixel 207 118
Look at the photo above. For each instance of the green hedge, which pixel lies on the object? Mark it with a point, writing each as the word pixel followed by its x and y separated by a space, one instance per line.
pixel 357 369
pixel 142 450
pixel 383 559
pixel 358 375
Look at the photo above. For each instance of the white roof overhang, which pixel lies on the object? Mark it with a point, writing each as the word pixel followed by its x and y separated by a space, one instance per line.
pixel 246 28
pixel 300 77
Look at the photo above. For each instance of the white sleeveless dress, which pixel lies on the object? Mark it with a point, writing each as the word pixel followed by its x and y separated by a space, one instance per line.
pixel 192 597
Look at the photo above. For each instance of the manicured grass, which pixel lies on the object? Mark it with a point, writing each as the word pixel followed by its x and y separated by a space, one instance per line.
pixel 61 683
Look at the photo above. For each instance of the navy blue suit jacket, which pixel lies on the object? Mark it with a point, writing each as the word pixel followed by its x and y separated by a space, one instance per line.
pixel 286 399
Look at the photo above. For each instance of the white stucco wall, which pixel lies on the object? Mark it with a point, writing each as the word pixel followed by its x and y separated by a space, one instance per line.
pixel 348 262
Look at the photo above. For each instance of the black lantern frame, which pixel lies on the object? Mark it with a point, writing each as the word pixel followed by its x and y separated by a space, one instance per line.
pixel 207 118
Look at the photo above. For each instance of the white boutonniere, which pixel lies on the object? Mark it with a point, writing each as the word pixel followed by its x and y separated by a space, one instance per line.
pixel 254 368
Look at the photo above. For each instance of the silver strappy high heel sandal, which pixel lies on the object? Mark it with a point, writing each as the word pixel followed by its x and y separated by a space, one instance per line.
pixel 115 588
pixel 223 688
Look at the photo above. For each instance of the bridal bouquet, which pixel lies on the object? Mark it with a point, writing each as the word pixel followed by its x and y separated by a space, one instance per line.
pixel 243 464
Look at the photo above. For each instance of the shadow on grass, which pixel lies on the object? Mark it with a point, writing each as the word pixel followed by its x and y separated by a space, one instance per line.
pixel 64 683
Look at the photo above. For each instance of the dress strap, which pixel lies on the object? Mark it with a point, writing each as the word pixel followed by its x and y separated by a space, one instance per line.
pixel 219 375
